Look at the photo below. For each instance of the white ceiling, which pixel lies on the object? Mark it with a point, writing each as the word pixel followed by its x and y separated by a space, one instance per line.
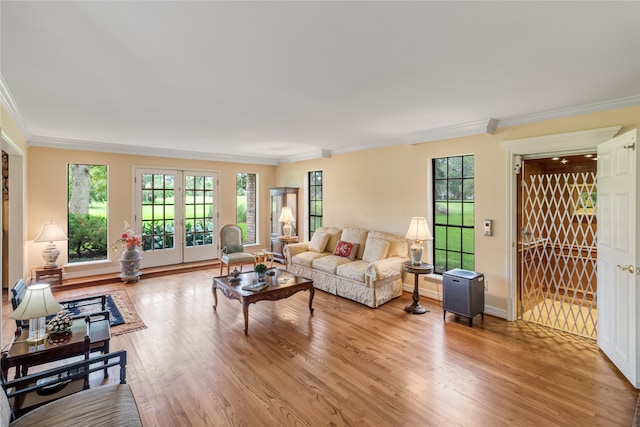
pixel 275 81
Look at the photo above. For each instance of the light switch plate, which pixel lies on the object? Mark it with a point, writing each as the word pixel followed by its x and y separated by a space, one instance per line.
pixel 488 227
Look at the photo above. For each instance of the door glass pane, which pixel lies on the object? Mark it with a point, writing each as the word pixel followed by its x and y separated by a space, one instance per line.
pixel 198 211
pixel 158 211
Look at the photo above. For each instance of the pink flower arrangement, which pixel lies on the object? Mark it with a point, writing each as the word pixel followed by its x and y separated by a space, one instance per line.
pixel 129 238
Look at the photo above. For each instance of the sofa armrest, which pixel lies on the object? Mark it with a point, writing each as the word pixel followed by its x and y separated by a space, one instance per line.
pixel 293 249
pixel 384 268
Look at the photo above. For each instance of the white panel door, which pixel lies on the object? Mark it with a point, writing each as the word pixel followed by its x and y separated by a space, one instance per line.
pixel 617 266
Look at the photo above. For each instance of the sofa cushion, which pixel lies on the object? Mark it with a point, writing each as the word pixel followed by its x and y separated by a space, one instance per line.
pixel 353 270
pixel 346 249
pixel 375 250
pixel 355 235
pixel 329 263
pixel 318 241
pixel 306 259
pixel 335 235
pixel 398 246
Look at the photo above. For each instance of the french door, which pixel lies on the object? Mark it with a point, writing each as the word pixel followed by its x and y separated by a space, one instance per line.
pixel 176 212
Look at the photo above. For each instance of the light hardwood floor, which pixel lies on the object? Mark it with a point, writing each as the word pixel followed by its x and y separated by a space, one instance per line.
pixel 349 365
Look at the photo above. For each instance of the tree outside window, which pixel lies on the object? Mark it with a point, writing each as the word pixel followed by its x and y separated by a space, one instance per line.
pixel 87 212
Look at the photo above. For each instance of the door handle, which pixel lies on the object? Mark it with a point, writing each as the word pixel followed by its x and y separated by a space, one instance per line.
pixel 630 268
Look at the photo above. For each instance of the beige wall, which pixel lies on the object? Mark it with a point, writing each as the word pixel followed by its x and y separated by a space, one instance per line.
pixel 383 188
pixel 375 189
pixel 47 195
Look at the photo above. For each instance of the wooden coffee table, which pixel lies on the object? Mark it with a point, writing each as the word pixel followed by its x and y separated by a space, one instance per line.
pixel 281 285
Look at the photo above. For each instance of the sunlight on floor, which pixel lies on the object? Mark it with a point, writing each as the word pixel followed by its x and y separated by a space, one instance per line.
pixel 580 320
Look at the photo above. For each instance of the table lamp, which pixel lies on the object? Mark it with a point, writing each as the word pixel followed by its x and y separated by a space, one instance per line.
pixel 38 302
pixel 51 232
pixel 286 216
pixel 418 231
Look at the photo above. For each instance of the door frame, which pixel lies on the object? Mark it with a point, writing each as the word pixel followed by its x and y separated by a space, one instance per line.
pixel 179 242
pixel 541 146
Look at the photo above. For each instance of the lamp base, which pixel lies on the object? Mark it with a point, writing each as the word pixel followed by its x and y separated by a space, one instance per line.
pixel 37 330
pixel 416 252
pixel 286 229
pixel 50 255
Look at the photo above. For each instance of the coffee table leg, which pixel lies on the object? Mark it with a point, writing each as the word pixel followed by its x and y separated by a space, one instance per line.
pixel 312 292
pixel 245 312
pixel 215 295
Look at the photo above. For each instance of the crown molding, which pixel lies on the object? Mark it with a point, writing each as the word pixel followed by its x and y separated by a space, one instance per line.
pixel 72 144
pixel 316 154
pixel 566 142
pixel 570 111
pixel 10 104
pixel 487 126
pixel 490 125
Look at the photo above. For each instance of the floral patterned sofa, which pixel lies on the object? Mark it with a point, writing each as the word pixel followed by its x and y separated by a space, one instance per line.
pixel 362 265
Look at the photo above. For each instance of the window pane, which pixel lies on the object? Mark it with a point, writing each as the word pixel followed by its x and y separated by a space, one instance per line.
pixel 468 166
pixel 468 262
pixel 454 239
pixel 467 189
pixel 455 189
pixel 468 240
pixel 467 214
pixel 440 192
pixel 440 237
pixel 440 168
pixel 440 260
pixel 455 167
pixel 315 201
pixel 453 212
pixel 246 214
pixel 87 213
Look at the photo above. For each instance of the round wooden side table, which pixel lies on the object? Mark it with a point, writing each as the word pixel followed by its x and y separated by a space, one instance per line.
pixel 416 270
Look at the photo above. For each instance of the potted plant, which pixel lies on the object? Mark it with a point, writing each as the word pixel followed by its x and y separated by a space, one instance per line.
pixel 260 269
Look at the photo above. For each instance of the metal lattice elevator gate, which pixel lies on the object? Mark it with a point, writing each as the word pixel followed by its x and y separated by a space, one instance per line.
pixel 558 282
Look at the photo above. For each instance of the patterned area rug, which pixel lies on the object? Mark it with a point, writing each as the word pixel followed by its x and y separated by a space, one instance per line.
pixel 95 305
pixel 129 320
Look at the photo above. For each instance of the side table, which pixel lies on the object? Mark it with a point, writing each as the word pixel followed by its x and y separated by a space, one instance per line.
pixel 416 270
pixel 51 275
pixel 285 241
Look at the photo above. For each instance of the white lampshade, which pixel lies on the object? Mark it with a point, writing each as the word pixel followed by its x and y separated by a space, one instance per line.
pixel 286 215
pixel 419 229
pixel 38 301
pixel 51 232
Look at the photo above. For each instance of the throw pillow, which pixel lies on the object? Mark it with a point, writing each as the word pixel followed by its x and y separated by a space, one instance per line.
pixel 346 249
pixel 375 250
pixel 229 249
pixel 318 242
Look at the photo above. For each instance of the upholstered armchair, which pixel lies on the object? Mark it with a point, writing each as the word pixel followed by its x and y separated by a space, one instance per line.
pixel 232 248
